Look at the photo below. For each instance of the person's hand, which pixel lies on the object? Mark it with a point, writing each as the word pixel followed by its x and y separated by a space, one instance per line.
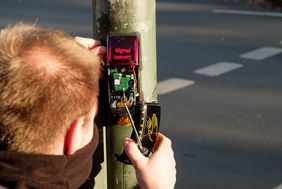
pixel 93 45
pixel 157 171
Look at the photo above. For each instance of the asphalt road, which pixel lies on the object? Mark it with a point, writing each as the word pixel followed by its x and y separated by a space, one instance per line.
pixel 226 129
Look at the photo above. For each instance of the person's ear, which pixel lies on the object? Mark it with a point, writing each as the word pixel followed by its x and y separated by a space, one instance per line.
pixel 78 135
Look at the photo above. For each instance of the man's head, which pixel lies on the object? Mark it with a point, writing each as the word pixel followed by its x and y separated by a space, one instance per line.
pixel 48 84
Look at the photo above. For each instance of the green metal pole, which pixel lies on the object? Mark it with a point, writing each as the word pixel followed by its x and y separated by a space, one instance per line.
pixel 126 16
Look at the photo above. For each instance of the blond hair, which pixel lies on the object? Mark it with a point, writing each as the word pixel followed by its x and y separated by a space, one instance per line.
pixel 46 81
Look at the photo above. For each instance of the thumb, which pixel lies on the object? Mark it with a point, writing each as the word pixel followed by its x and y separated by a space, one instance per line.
pixel 133 152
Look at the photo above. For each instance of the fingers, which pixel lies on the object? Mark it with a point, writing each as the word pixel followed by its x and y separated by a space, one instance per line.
pixel 163 148
pixel 159 139
pixel 164 154
pixel 162 142
pixel 99 51
pixel 157 171
pixel 133 152
pixel 93 45
pixel 87 42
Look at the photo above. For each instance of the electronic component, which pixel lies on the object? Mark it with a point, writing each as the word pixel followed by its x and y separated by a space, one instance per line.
pixel 123 64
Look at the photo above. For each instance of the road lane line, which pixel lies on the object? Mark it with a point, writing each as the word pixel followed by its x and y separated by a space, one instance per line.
pixel 251 13
pixel 172 84
pixel 218 69
pixel 261 53
pixel 278 187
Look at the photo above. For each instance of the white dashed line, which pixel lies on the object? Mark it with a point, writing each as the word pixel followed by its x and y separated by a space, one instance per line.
pixel 278 187
pixel 218 69
pixel 261 53
pixel 251 13
pixel 173 84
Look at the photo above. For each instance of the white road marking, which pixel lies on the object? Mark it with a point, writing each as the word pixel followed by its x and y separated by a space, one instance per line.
pixel 261 53
pixel 278 187
pixel 191 7
pixel 173 84
pixel 252 13
pixel 218 69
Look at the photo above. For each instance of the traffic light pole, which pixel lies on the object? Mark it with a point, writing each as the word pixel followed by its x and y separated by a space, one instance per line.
pixel 126 16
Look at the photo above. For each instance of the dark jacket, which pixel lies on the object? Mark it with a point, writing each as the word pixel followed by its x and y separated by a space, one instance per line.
pixel 22 170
